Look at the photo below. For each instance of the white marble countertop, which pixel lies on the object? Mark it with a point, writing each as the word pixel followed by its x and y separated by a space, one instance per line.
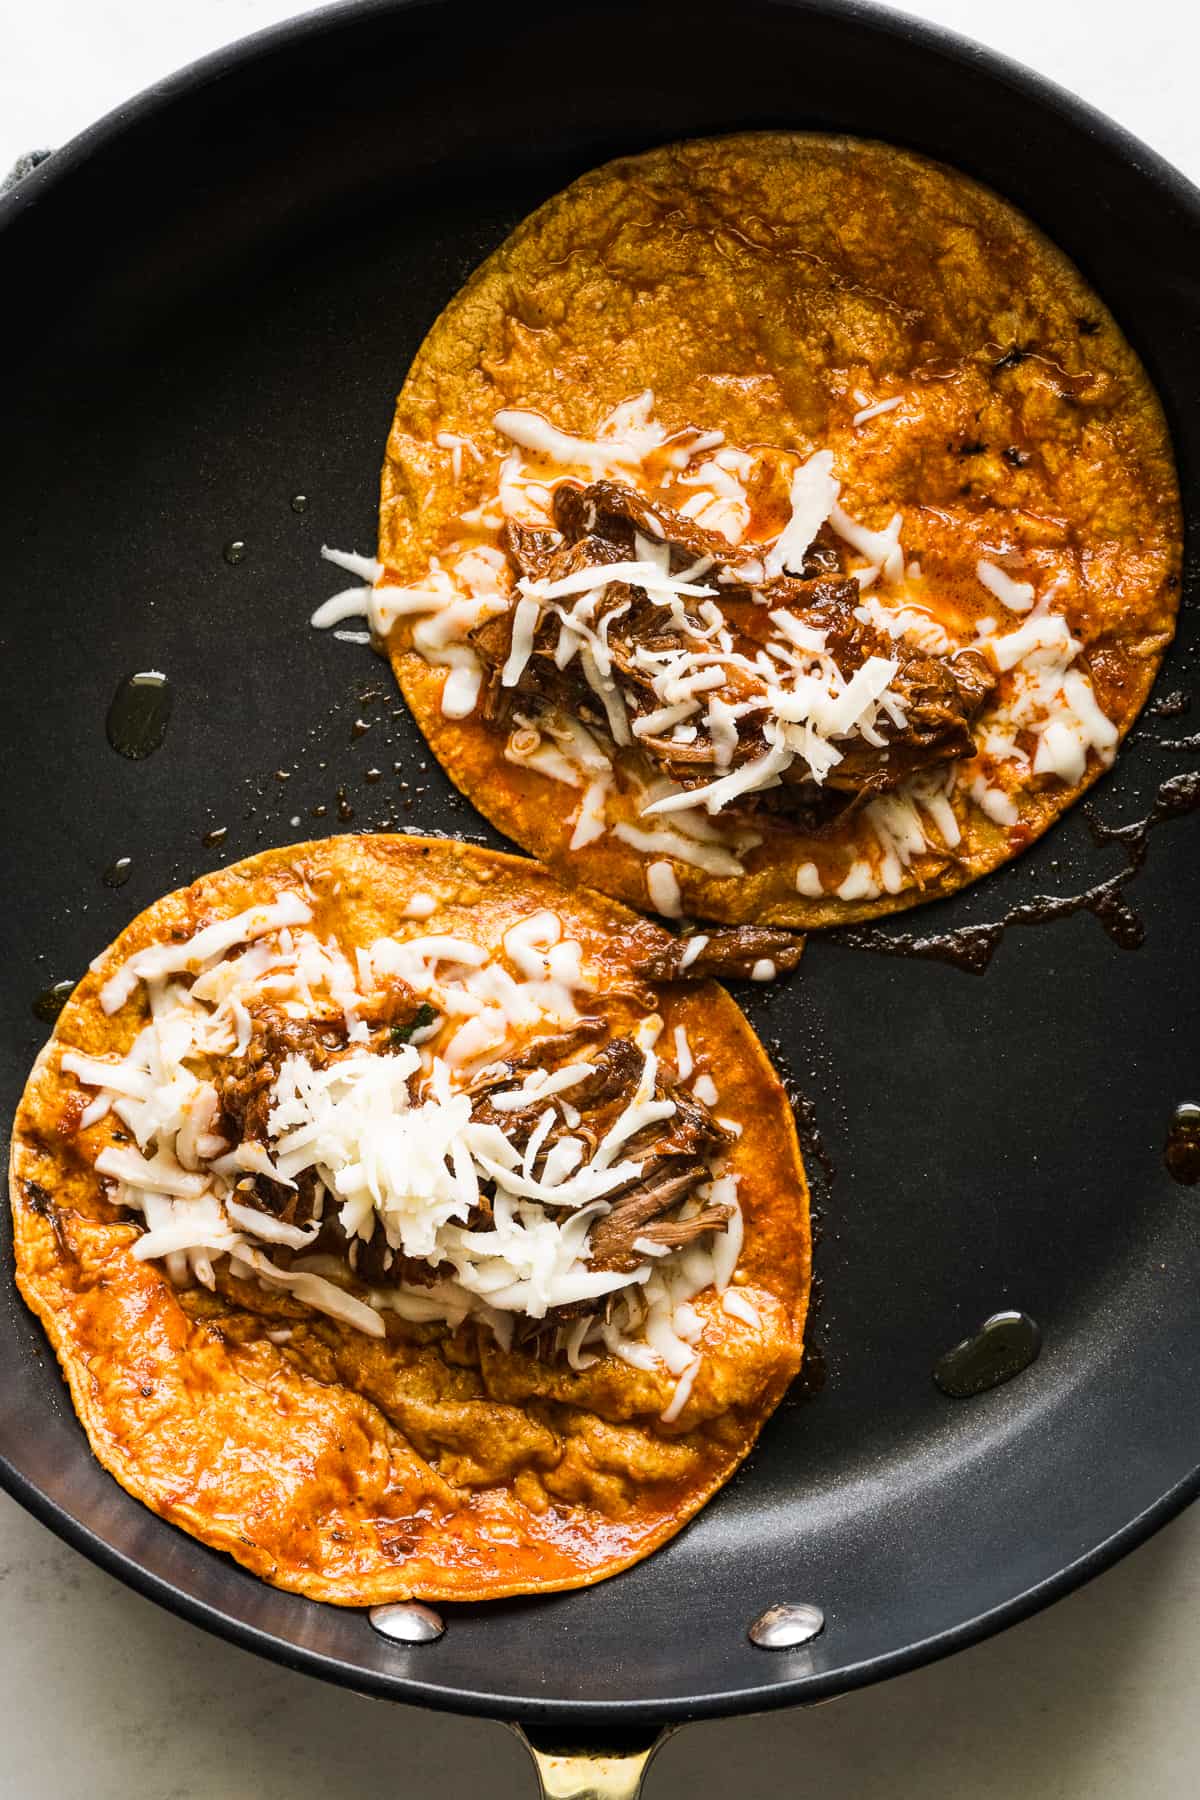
pixel 105 1695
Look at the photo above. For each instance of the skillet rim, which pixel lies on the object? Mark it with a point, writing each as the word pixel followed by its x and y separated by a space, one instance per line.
pixel 595 1715
pixel 42 183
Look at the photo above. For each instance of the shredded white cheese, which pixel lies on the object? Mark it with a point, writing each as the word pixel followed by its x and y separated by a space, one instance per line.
pixel 1044 721
pixel 592 816
pixel 389 1139
pixel 881 549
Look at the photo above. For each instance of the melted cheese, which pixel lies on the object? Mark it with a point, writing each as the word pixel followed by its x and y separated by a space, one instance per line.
pixel 680 847
pixel 365 567
pixel 626 443
pixel 1018 596
pixel 739 1307
pixel 813 495
pixel 161 960
pixel 663 890
pixel 1051 697
pixel 875 409
pixel 859 883
pixel 592 817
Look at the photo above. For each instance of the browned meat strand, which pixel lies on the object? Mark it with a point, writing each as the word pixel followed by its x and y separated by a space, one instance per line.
pixel 552 1052
pixel 530 551
pixel 600 1098
pixel 940 696
pixel 729 953
pixel 614 1240
pixel 616 1071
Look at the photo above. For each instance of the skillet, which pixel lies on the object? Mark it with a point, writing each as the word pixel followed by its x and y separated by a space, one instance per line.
pixel 211 298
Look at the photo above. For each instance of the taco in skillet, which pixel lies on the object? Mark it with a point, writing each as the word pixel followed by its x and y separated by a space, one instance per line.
pixel 775 528
pixel 406 1224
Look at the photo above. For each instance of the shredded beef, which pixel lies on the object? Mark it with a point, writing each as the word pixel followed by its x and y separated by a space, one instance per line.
pixel 559 1048
pixel 610 511
pixel 730 952
pixel 530 551
pixel 638 1215
pixel 940 696
pixel 245 1090
pixel 616 1071
pixel 674 1155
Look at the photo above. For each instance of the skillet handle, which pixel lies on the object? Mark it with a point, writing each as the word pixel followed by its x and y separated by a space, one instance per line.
pixel 611 1768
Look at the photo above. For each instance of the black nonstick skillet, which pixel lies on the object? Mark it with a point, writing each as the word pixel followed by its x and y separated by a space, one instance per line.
pixel 209 301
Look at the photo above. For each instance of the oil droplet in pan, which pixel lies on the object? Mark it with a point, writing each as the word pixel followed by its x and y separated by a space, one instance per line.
pixel 1182 1151
pixel 234 552
pixel 137 718
pixel 1004 1345
pixel 50 1002
pixel 118 872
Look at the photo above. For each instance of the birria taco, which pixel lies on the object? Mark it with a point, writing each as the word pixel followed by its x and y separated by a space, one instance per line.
pixel 775 528
pixel 406 1224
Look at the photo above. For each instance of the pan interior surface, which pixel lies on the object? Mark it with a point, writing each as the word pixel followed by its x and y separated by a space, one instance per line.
pixel 212 308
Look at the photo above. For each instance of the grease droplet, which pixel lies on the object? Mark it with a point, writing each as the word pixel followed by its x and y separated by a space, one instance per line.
pixel 50 1002
pixel 138 714
pixel 118 872
pixel 1004 1345
pixel 234 552
pixel 345 811
pixel 216 836
pixel 1182 1151
pixel 299 503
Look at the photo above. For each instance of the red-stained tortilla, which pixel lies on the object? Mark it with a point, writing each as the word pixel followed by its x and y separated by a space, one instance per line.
pixel 772 286
pixel 354 1469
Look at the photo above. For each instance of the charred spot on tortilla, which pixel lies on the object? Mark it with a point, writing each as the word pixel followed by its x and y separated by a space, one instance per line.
pixel 806 559
pixel 423 1227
